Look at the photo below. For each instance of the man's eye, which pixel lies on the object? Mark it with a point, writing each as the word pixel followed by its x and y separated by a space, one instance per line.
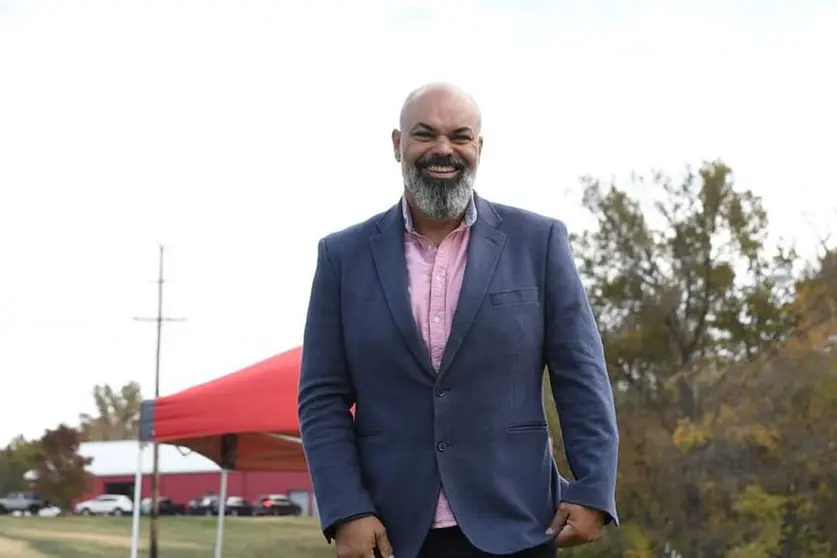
pixel 462 139
pixel 423 135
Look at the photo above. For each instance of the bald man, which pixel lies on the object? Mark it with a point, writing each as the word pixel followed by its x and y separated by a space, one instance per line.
pixel 435 320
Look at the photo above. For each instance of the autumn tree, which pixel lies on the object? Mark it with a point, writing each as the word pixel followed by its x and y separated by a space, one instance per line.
pixel 684 289
pixel 61 473
pixel 769 439
pixel 117 414
pixel 766 445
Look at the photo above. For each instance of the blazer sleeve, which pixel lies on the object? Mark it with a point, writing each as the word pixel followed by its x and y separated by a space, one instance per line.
pixel 580 385
pixel 325 399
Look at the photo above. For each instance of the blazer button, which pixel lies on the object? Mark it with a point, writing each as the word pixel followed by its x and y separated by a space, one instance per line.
pixel 442 446
pixel 441 392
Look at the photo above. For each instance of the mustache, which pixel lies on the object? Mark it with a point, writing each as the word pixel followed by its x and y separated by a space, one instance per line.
pixel 441 161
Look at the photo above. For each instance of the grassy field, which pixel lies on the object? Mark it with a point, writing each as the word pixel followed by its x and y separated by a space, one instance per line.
pixel 180 537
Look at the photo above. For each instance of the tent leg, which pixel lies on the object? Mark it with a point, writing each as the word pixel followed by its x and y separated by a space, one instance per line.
pixel 135 525
pixel 222 503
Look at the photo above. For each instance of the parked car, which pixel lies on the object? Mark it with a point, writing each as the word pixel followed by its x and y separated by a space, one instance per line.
pixel 50 511
pixel 22 502
pixel 209 505
pixel 276 505
pixel 234 506
pixel 106 504
pixel 204 506
pixel 165 506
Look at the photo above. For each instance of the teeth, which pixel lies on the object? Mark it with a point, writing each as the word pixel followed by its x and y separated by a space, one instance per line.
pixel 441 169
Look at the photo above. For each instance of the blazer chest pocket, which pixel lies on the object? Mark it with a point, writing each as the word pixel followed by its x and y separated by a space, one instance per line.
pixel 529 295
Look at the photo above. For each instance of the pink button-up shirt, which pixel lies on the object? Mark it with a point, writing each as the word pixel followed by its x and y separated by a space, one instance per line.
pixel 435 278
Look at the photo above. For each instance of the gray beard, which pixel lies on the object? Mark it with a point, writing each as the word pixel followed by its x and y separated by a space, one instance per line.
pixel 440 199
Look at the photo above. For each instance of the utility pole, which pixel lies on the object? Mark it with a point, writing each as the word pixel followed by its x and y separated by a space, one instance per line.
pixel 153 548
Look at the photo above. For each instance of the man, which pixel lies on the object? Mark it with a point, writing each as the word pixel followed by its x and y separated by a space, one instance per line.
pixel 434 320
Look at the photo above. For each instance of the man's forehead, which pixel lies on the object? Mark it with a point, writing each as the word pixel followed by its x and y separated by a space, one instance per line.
pixel 440 107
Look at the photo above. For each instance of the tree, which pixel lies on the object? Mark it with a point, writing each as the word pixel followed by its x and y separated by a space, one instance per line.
pixel 62 476
pixel 767 447
pixel 775 424
pixel 682 285
pixel 685 294
pixel 117 414
pixel 16 459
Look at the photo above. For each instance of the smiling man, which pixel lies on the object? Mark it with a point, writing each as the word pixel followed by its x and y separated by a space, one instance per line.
pixel 439 183
pixel 435 320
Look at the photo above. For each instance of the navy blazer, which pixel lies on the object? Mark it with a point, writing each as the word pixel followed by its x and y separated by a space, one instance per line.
pixel 477 426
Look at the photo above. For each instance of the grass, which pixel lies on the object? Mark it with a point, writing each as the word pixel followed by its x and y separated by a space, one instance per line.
pixel 180 537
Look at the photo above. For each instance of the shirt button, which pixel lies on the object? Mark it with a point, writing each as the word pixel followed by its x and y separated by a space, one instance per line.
pixel 436 319
pixel 442 446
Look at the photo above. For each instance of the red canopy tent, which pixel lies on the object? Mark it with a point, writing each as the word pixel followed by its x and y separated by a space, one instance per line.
pixel 244 421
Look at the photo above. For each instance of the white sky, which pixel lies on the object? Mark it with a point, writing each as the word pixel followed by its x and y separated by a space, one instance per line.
pixel 240 132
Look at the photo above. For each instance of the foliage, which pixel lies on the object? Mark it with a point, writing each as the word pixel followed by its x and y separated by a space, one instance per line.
pixel 16 459
pixel 679 300
pixel 117 414
pixel 720 349
pixel 61 470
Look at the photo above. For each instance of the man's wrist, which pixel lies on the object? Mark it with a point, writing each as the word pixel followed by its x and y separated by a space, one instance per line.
pixel 331 531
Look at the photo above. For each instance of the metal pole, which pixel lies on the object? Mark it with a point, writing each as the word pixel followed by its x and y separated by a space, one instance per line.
pixel 135 523
pixel 155 463
pixel 222 511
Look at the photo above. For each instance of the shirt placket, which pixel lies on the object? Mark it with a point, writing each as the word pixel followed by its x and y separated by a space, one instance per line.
pixel 438 292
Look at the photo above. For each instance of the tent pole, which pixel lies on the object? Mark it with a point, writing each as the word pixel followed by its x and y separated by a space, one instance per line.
pixel 222 504
pixel 135 525
pixel 155 498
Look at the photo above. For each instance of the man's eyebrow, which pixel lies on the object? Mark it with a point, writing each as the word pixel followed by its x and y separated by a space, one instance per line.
pixel 421 126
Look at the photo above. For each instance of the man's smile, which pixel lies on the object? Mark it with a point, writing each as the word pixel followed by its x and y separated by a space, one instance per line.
pixel 441 171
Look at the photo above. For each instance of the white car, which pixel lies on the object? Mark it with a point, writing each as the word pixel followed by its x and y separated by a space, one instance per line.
pixel 106 504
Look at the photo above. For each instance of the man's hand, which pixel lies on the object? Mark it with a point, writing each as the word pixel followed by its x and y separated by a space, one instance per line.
pixel 576 525
pixel 360 537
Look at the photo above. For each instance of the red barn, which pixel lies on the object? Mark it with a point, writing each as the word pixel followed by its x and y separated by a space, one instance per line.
pixel 185 475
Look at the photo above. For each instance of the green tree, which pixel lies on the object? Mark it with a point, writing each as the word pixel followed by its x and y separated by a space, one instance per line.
pixel 117 414
pixel 61 473
pixel 682 284
pixel 19 457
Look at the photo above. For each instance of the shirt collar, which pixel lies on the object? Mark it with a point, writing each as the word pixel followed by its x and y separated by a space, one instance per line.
pixel 468 219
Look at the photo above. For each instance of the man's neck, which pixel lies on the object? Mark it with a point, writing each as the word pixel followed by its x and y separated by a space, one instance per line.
pixel 433 229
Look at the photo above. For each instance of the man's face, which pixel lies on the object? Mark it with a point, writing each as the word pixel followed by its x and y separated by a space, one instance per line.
pixel 439 150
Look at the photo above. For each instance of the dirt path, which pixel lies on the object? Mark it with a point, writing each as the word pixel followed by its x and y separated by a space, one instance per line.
pixel 98 538
pixel 10 548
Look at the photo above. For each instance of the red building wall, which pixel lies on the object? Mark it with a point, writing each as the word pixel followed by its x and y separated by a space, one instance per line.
pixel 183 487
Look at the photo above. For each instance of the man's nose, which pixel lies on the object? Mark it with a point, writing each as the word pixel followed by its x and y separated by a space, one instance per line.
pixel 442 147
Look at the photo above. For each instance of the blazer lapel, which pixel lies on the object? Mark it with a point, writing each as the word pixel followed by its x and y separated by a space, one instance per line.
pixel 484 250
pixel 390 263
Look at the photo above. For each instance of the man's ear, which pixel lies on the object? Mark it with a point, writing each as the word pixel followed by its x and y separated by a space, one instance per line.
pixel 396 144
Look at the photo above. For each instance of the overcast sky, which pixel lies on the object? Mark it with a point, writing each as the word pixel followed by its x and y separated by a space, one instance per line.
pixel 239 133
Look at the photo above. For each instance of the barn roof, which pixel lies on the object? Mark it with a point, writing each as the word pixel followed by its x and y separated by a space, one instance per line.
pixel 119 458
